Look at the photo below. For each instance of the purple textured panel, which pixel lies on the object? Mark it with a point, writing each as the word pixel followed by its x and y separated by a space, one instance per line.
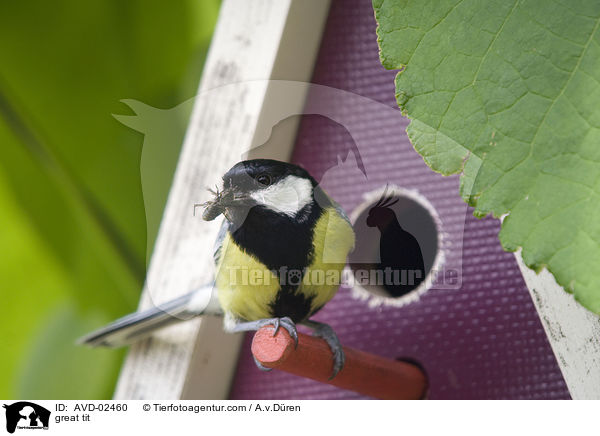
pixel 483 340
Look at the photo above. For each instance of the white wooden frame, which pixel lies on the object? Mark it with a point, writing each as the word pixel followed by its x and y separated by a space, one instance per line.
pixel 253 40
pixel 573 332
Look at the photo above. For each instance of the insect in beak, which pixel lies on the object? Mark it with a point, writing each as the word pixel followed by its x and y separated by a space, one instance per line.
pixel 223 203
pixel 213 208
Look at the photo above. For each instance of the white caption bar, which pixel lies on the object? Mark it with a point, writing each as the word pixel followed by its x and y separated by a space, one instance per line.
pixel 298 417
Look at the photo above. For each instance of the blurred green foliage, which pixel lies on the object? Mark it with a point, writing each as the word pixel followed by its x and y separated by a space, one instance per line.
pixel 72 224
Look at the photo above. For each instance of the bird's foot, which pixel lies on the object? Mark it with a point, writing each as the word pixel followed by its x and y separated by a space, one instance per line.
pixel 284 322
pixel 325 332
pixel 248 326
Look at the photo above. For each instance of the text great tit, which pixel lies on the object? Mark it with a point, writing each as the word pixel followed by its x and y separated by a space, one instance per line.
pixel 279 258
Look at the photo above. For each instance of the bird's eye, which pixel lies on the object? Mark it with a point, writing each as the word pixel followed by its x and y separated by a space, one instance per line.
pixel 264 179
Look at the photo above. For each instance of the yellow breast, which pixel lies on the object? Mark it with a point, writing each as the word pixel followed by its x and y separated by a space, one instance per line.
pixel 247 287
pixel 333 239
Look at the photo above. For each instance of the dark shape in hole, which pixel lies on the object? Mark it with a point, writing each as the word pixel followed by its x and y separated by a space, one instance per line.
pixel 403 254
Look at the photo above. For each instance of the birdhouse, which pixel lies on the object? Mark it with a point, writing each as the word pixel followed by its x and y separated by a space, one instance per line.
pixel 427 283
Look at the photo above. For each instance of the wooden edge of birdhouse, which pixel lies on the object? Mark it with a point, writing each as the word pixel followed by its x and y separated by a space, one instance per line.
pixel 572 331
pixel 253 42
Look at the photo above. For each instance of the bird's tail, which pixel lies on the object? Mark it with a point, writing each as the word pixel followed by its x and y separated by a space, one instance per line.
pixel 138 325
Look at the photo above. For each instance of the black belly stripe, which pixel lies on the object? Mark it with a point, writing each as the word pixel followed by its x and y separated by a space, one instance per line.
pixel 291 304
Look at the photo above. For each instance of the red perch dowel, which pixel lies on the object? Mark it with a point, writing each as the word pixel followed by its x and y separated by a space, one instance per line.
pixel 365 373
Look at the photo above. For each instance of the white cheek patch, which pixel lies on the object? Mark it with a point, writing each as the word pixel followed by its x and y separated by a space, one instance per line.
pixel 288 196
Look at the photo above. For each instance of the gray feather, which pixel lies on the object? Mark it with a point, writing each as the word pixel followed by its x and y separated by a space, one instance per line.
pixel 138 325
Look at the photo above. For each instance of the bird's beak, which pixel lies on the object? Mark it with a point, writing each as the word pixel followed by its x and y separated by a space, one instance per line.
pixel 236 205
pixel 231 198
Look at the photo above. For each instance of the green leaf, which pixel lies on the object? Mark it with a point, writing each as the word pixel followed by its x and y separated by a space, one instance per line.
pixel 507 93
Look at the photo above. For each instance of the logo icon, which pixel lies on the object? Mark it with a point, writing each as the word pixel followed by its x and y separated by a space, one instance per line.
pixel 26 415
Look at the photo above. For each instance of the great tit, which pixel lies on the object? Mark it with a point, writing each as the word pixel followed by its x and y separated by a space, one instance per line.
pixel 279 258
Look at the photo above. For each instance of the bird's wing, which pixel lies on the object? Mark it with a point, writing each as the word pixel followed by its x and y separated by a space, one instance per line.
pixel 135 326
pixel 219 241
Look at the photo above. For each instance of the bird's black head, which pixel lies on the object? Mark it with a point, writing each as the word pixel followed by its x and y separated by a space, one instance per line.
pixel 252 175
pixel 279 187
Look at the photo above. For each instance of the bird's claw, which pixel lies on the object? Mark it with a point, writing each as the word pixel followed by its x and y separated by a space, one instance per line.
pixel 284 322
pixel 327 333
pixel 287 324
pixel 261 366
